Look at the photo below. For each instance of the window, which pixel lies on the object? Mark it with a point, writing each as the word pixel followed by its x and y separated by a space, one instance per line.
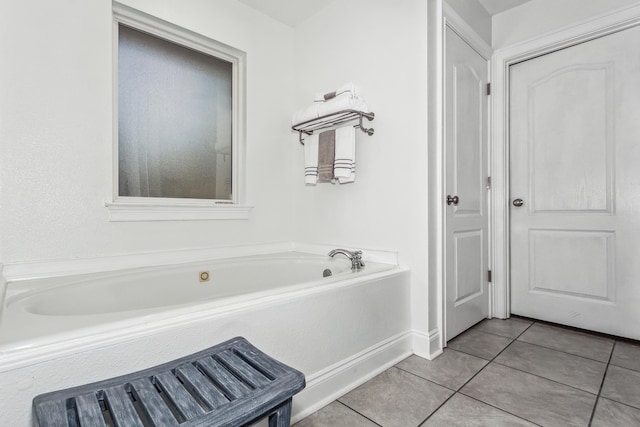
pixel 179 129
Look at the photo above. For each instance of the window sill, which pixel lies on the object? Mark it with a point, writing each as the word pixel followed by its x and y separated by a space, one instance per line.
pixel 137 211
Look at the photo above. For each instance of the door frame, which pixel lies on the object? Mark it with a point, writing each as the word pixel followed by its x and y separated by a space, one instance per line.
pixel 451 19
pixel 499 144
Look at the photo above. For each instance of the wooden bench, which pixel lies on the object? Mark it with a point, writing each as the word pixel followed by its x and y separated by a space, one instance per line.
pixel 230 384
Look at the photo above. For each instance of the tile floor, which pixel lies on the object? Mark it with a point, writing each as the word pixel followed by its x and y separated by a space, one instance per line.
pixel 515 372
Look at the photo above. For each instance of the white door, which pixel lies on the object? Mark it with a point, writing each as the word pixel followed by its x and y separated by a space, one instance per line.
pixel 575 164
pixel 466 219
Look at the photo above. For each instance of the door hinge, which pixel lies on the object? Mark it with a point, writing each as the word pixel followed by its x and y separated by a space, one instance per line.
pixel 488 88
pixel 489 276
pixel 488 183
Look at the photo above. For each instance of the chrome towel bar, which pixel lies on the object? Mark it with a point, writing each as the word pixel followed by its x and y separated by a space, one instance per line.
pixel 333 120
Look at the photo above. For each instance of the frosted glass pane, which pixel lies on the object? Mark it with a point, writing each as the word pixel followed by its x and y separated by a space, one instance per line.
pixel 174 120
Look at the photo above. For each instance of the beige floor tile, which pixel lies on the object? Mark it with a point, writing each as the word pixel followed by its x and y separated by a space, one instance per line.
pixel 509 328
pixel 531 397
pixel 451 369
pixel 480 344
pixel 569 341
pixel 613 414
pixel 622 385
pixel 335 415
pixel 396 398
pixel 464 411
pixel 585 374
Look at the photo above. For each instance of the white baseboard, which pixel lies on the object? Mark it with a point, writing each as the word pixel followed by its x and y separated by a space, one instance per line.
pixel 334 381
pixel 427 345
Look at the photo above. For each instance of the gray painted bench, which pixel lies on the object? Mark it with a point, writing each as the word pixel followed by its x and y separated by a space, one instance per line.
pixel 230 384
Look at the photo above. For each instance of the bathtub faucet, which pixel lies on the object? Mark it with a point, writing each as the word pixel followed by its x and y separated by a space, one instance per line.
pixel 355 257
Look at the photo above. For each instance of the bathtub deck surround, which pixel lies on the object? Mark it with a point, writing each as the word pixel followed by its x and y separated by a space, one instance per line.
pixel 39 311
pixel 113 318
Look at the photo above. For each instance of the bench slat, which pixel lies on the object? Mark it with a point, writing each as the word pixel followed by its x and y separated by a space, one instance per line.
pixel 52 414
pixel 152 404
pixel 121 408
pixel 232 386
pixel 241 368
pixel 267 366
pixel 89 412
pixel 200 385
pixel 180 398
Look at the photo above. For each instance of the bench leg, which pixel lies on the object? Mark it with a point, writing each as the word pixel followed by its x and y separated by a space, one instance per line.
pixel 282 416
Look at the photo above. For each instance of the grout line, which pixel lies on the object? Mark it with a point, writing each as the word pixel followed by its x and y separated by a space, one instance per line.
pixel 476 374
pixel 567 330
pixel 499 409
pixel 621 403
pixel 437 409
pixel 357 412
pixel 595 405
pixel 582 331
pixel 565 352
pixel 546 378
pixel 426 379
pixel 540 376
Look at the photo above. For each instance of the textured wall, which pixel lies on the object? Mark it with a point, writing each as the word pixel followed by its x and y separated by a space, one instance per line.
pixel 381 47
pixel 56 130
pixel 542 16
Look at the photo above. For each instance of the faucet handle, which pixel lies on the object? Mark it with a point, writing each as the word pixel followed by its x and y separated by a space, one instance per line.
pixel 358 258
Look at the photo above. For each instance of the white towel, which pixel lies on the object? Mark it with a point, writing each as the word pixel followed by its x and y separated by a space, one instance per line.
pixel 308 113
pixel 341 103
pixel 317 109
pixel 311 159
pixel 344 166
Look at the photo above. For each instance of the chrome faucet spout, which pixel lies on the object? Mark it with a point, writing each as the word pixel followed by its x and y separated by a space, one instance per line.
pixel 354 256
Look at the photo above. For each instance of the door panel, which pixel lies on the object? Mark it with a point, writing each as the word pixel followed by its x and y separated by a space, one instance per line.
pixel 574 133
pixel 569 125
pixel 466 223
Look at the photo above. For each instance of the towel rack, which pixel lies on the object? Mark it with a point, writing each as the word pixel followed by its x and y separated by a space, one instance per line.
pixel 333 120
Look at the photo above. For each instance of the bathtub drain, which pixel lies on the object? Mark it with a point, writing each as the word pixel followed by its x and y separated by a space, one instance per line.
pixel 326 273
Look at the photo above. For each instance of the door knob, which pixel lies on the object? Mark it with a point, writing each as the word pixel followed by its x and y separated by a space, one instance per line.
pixel 518 202
pixel 452 200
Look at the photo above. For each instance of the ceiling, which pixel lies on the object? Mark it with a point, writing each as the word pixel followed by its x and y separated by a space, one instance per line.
pixel 496 6
pixel 291 12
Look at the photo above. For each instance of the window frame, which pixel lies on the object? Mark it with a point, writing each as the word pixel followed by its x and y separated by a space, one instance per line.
pixel 125 208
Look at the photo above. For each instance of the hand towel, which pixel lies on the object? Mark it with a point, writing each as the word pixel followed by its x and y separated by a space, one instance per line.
pixel 344 166
pixel 348 88
pixel 326 155
pixel 311 159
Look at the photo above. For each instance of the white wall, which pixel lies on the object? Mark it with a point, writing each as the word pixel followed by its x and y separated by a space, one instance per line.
pixel 56 129
pixel 381 47
pixel 538 17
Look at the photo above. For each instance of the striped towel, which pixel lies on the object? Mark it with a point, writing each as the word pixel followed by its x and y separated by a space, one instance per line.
pixel 344 166
pixel 311 159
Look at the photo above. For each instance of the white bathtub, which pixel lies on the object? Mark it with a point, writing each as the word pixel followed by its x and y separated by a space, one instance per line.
pixel 339 330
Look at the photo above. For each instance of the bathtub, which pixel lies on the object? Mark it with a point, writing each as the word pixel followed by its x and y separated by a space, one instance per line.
pixel 312 312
